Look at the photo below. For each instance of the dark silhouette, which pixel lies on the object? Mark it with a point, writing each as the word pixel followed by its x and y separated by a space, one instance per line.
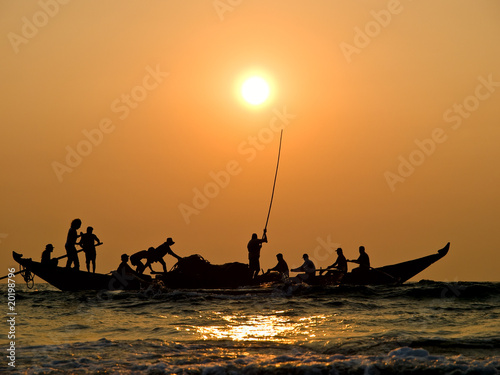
pixel 88 242
pixel 340 264
pixel 363 261
pixel 135 260
pixel 254 246
pixel 202 274
pixel 46 256
pixel 281 267
pixel 70 245
pixel 156 255
pixel 124 269
pixel 307 267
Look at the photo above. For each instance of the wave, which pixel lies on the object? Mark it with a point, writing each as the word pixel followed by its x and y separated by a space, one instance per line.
pixel 228 357
pixel 421 290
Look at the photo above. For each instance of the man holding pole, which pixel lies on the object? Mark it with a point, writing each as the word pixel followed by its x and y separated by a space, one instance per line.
pixel 254 246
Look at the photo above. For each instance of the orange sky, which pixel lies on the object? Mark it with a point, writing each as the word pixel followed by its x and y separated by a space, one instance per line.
pixel 119 112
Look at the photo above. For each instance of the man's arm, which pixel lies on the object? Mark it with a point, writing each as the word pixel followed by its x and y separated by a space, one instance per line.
pixel 299 269
pixel 264 236
pixel 174 254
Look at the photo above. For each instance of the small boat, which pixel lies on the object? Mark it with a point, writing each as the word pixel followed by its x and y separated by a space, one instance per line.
pixel 194 272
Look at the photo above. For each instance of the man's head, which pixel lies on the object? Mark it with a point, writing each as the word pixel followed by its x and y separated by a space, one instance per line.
pixel 75 224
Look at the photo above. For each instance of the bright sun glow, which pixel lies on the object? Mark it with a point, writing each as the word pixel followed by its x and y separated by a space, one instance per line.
pixel 255 90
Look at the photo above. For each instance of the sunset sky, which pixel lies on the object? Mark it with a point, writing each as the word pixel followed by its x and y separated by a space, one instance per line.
pixel 129 116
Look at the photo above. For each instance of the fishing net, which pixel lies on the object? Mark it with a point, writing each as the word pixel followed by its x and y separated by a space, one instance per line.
pixel 195 271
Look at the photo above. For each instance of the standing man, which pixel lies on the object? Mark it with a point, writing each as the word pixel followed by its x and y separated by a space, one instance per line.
pixel 70 245
pixel 88 243
pixel 254 246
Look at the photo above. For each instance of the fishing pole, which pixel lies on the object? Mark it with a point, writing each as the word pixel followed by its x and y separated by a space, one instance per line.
pixel 274 184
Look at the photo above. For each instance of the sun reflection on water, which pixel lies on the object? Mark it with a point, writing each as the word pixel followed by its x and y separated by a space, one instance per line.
pixel 275 327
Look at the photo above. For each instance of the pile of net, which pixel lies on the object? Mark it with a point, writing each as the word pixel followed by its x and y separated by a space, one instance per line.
pixel 196 272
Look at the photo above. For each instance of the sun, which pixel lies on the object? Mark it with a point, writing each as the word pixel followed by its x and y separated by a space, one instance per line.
pixel 255 90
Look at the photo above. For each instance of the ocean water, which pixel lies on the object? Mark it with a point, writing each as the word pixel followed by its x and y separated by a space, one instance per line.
pixel 416 328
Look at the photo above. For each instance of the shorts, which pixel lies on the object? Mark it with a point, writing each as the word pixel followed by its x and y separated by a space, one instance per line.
pixel 254 264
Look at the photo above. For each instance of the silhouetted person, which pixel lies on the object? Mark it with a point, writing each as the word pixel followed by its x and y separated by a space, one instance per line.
pixel 307 267
pixel 136 260
pixel 124 269
pixel 158 254
pixel 124 272
pixel 254 246
pixel 70 245
pixel 46 260
pixel 363 261
pixel 340 263
pixel 88 242
pixel 281 267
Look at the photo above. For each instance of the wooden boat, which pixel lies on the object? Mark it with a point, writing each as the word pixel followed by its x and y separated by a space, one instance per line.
pixel 194 272
pixel 69 279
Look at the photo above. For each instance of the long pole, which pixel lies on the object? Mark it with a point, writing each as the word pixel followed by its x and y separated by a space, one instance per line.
pixel 78 251
pixel 274 184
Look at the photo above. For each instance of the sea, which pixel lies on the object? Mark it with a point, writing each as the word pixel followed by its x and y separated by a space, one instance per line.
pixel 423 327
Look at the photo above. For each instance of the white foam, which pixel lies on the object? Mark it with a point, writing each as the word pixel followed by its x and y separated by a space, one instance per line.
pixel 409 352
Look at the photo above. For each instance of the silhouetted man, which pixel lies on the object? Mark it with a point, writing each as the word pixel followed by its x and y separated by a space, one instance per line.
pixel 124 269
pixel 307 267
pixel 158 254
pixel 363 260
pixel 125 273
pixel 46 256
pixel 136 260
pixel 70 245
pixel 254 246
pixel 340 263
pixel 281 267
pixel 88 242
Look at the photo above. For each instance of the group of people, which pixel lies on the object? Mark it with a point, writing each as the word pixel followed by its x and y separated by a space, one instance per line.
pixel 88 242
pixel 151 255
pixel 308 268
pixel 145 258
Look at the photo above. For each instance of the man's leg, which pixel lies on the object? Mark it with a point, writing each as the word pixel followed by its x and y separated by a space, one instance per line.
pixel 162 262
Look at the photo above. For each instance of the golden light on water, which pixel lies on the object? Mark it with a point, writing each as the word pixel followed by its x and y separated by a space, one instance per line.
pixel 277 328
